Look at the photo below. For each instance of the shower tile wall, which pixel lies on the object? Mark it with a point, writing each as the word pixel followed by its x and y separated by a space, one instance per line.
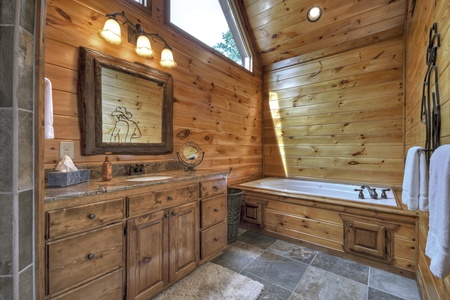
pixel 17 22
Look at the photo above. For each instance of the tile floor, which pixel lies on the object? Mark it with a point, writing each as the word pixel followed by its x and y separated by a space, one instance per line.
pixel 290 271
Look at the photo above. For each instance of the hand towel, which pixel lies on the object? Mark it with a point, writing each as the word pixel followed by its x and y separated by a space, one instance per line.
pixel 48 111
pixel 415 180
pixel 423 181
pixel 438 241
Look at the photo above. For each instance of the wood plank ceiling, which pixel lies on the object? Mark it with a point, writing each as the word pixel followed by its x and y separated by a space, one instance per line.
pixel 282 31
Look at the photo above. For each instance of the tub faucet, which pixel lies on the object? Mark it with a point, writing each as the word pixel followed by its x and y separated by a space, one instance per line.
pixel 372 192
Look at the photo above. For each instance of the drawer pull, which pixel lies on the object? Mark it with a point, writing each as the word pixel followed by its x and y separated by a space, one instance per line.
pixel 170 198
pixel 91 256
pixel 146 260
pixel 216 210
pixel 92 216
pixel 216 239
pixel 215 188
pixel 174 213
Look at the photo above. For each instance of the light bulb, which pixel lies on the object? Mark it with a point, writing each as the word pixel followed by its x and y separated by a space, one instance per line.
pixel 111 32
pixel 143 47
pixel 167 59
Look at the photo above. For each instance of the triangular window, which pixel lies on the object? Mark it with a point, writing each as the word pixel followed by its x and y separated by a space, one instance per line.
pixel 215 24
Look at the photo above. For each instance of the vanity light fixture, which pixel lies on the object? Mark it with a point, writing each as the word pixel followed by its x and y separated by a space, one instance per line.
pixel 111 34
pixel 314 13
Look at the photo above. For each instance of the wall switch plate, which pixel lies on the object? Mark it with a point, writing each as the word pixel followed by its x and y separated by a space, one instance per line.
pixel 66 148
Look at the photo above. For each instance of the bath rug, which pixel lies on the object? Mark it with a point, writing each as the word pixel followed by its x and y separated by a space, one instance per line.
pixel 212 282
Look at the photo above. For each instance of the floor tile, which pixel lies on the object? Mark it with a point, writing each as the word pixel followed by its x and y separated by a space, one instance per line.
pixel 396 285
pixel 293 251
pixel 342 267
pixel 256 239
pixel 279 270
pixel 237 256
pixel 318 284
pixel 271 291
pixel 379 295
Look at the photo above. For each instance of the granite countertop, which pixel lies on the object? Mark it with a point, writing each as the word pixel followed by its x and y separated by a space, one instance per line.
pixel 97 186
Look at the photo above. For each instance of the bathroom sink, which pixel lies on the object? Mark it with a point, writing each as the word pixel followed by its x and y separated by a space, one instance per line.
pixel 149 178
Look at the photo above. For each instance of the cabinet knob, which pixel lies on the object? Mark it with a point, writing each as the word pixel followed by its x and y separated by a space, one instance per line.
pixel 170 198
pixel 174 213
pixel 166 216
pixel 215 188
pixel 216 239
pixel 91 256
pixel 92 216
pixel 216 210
pixel 146 259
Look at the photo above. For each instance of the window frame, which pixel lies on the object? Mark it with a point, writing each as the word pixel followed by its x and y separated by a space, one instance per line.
pixel 147 9
pixel 238 28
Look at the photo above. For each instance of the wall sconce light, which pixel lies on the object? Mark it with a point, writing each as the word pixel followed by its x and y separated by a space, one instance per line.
pixel 314 13
pixel 111 34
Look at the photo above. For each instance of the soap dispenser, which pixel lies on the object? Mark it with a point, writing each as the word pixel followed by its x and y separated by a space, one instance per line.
pixel 107 168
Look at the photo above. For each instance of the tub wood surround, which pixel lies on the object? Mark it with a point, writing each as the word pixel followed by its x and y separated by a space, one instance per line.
pixel 417 27
pixel 220 104
pixel 333 90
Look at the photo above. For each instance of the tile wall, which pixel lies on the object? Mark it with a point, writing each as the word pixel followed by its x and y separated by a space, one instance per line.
pixel 17 23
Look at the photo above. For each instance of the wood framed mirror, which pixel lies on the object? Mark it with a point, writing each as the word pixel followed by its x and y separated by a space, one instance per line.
pixel 124 107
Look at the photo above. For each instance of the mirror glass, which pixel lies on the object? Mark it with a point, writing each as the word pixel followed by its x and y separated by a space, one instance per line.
pixel 190 155
pixel 125 108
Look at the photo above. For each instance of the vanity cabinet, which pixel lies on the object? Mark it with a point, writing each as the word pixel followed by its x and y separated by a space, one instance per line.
pixel 162 248
pixel 213 221
pixel 85 250
pixel 134 242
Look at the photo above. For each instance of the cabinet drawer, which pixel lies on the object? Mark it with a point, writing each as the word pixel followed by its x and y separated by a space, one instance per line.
pixel 213 187
pixel 213 240
pixel 82 257
pixel 107 287
pixel 214 210
pixel 79 218
pixel 144 203
pixel 178 195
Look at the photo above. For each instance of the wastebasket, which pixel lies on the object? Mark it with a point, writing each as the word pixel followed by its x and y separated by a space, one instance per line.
pixel 234 201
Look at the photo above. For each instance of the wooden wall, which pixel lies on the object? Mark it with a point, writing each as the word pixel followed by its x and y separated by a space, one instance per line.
pixel 338 117
pixel 417 30
pixel 219 103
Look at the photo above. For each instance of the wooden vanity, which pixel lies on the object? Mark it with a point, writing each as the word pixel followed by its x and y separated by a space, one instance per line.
pixel 117 239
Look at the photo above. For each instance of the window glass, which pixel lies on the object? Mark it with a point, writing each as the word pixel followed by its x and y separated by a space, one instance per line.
pixel 213 23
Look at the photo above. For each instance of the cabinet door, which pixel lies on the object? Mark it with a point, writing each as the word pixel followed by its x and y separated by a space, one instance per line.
pixel 368 237
pixel 252 212
pixel 184 239
pixel 147 255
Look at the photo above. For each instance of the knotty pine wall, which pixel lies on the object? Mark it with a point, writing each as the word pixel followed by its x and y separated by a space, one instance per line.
pixel 219 103
pixel 417 30
pixel 338 117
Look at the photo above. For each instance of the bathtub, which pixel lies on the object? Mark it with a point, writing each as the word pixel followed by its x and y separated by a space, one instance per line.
pixel 321 189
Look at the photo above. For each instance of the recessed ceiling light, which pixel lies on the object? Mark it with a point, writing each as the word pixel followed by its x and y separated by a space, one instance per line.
pixel 314 13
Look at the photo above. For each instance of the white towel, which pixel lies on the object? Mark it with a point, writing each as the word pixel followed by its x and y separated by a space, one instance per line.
pixel 438 241
pixel 415 180
pixel 48 111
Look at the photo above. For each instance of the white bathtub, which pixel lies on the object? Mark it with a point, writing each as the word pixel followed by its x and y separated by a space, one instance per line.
pixel 322 189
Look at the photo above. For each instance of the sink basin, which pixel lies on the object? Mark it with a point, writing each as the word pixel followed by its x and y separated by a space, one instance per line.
pixel 149 178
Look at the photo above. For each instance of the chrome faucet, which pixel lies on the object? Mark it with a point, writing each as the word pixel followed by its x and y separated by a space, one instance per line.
pixel 372 191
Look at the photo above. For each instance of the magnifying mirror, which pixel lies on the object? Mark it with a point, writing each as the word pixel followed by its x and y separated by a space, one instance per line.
pixel 190 155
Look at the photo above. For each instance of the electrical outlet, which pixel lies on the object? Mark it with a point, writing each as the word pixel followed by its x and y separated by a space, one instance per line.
pixel 66 148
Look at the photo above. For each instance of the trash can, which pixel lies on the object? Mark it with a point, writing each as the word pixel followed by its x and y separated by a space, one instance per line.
pixel 234 201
